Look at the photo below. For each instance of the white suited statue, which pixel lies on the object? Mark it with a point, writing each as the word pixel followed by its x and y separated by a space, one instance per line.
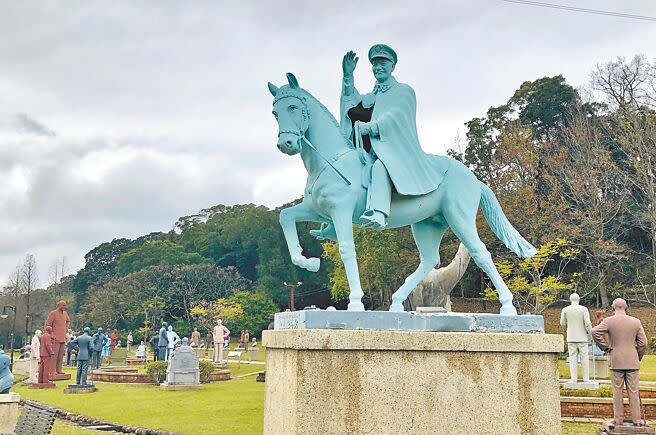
pixel 579 330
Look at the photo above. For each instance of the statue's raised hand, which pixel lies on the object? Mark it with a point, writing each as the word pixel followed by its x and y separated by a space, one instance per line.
pixel 349 62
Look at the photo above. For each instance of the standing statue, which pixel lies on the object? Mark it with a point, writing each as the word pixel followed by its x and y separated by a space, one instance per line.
pixel 6 377
pixel 221 333
pixel 59 321
pixel 195 338
pixel 162 342
pixel 46 353
pixel 347 184
pixel 172 338
pixel 435 289
pixel 98 343
pixel 35 357
pixel 626 344
pixel 85 350
pixel 579 330
pixel 129 342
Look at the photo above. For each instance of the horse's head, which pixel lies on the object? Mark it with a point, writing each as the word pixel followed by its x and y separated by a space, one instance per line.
pixel 290 110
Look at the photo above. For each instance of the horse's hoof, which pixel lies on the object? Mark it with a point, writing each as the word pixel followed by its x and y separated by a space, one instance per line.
pixel 355 306
pixel 312 264
pixel 508 310
pixel 396 308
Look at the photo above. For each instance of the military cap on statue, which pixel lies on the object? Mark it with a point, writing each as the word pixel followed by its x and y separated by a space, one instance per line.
pixel 382 50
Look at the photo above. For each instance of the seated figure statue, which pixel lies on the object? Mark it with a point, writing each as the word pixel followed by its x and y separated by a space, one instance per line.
pixel 6 377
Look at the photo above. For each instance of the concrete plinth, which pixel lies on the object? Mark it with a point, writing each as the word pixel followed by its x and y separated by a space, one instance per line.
pixel 179 387
pixel 80 389
pixel 42 386
pixel 590 385
pixel 390 382
pixel 8 412
pixel 60 377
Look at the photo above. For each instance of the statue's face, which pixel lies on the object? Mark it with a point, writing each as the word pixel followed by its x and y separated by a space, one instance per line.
pixel 289 114
pixel 382 68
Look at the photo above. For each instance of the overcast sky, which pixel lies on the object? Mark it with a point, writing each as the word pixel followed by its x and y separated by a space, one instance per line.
pixel 117 118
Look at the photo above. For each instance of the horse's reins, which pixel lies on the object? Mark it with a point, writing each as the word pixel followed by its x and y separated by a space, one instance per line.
pixel 301 133
pixel 342 176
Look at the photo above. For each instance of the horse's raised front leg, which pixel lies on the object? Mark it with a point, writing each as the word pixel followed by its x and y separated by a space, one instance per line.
pixel 344 229
pixel 288 217
pixel 428 236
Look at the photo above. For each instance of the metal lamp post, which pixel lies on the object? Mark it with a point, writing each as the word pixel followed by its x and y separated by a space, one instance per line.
pixel 4 315
pixel 292 286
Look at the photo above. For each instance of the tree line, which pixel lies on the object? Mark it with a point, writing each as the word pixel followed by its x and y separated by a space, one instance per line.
pixel 573 169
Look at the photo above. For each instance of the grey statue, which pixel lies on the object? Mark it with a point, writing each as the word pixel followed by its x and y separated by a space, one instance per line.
pixel 162 343
pixel 98 342
pixel 435 289
pixel 85 343
pixel 6 377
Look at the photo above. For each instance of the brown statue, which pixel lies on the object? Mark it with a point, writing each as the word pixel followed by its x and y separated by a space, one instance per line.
pixel 46 353
pixel 59 321
pixel 624 339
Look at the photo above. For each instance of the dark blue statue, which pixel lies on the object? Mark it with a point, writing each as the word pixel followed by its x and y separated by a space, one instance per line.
pixel 163 342
pixel 86 349
pixel 98 342
pixel 6 377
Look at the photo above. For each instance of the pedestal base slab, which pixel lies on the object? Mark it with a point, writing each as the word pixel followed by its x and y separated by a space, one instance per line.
pixel 60 377
pixel 391 382
pixel 41 386
pixel 8 412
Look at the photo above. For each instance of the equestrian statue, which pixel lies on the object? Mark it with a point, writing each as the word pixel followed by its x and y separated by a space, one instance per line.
pixel 369 169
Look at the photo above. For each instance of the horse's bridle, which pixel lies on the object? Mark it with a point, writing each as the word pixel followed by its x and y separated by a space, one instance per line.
pixel 300 133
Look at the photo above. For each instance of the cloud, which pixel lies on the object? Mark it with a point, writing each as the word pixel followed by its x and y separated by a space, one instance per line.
pixel 116 121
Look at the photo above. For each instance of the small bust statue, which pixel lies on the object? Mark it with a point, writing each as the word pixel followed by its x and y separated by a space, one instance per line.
pixel 6 377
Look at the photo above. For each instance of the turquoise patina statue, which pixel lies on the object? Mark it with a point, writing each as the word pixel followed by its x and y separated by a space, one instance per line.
pixel 6 377
pixel 353 165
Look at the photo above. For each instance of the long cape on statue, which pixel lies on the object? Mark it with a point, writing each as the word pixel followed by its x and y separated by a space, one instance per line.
pixel 412 171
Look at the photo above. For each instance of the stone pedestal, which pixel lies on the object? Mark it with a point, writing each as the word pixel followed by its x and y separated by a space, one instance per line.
pixel 60 376
pixel 80 389
pixel 590 385
pixel 624 429
pixel 42 386
pixel 8 412
pixel 183 372
pixel 327 381
pixel 599 367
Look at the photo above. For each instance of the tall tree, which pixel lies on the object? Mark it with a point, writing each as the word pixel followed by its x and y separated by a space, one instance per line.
pixel 30 281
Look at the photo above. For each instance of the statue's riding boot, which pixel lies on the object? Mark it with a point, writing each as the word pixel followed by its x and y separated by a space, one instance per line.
pixel 379 198
pixel 325 232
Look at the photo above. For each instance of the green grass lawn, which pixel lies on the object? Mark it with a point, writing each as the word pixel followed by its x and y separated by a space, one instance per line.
pixel 232 407
pixel 647 369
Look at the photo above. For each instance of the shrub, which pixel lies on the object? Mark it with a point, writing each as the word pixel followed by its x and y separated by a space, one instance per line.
pixel 157 371
pixel 603 391
pixel 206 369
pixel 652 345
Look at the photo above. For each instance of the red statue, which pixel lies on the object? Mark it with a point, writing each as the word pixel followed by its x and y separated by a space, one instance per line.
pixel 59 321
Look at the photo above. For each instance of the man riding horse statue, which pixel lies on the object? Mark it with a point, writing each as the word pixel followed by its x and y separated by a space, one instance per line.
pixel 370 169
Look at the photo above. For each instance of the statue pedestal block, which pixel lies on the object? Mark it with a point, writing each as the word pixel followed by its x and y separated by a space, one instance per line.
pixel 60 377
pixel 590 385
pixel 624 429
pixel 80 389
pixel 327 381
pixel 179 387
pixel 8 412
pixel 42 386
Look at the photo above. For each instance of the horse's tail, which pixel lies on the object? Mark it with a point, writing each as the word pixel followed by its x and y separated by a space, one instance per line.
pixel 501 226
